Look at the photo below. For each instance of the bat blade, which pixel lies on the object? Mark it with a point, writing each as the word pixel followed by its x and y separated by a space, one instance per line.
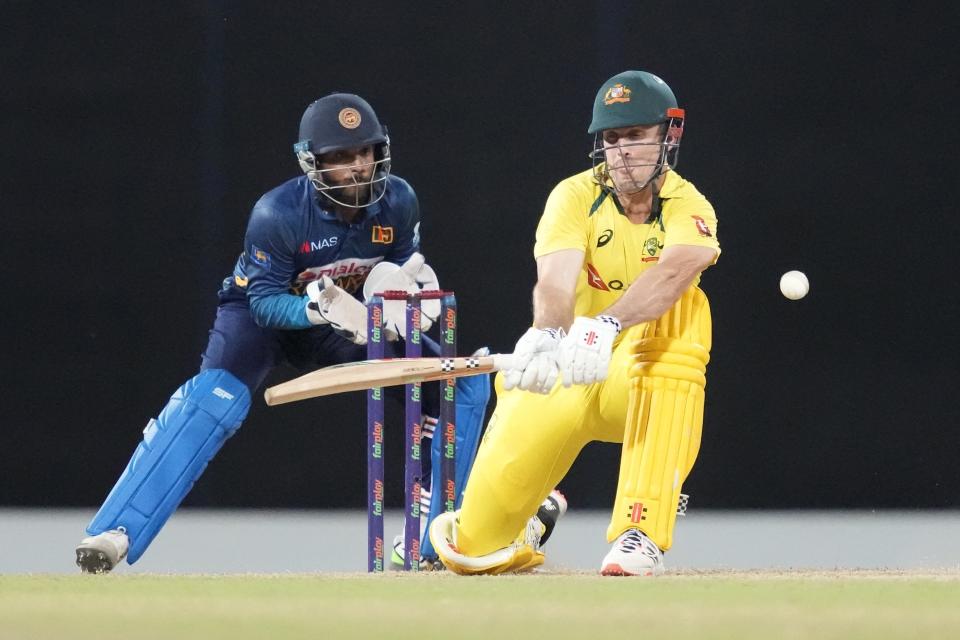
pixel 366 374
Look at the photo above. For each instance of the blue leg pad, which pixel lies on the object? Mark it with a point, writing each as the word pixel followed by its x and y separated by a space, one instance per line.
pixel 473 394
pixel 176 448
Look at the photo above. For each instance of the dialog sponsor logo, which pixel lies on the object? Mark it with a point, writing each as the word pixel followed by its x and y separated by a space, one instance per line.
pixel 348 274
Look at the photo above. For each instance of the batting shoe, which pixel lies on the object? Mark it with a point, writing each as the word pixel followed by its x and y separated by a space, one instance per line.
pixel 528 555
pixel 538 529
pixel 633 554
pixel 102 552
pixel 550 511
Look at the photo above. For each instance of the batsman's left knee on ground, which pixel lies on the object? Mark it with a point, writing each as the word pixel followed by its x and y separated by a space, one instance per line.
pixel 530 444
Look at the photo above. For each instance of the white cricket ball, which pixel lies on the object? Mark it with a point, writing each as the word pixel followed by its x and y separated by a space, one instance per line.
pixel 794 285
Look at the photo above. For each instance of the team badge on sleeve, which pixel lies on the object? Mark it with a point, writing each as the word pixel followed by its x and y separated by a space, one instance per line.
pixel 702 227
pixel 259 257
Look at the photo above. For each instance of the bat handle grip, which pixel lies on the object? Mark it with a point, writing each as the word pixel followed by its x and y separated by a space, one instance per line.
pixel 502 361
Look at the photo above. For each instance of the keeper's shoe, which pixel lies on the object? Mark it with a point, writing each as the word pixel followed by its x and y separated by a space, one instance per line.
pixel 633 554
pixel 396 558
pixel 102 552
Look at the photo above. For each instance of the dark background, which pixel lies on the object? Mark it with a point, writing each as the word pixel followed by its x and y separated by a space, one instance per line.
pixel 137 136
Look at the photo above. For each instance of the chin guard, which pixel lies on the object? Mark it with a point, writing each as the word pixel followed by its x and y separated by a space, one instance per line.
pixel 376 185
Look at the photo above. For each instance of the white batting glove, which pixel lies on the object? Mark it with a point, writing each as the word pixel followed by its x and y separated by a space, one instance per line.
pixel 584 355
pixel 413 276
pixel 329 304
pixel 533 365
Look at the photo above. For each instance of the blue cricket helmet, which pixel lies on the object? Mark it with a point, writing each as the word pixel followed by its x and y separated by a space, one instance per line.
pixel 343 121
pixel 339 121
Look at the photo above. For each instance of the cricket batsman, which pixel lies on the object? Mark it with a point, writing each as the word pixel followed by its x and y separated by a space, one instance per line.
pixel 314 247
pixel 617 352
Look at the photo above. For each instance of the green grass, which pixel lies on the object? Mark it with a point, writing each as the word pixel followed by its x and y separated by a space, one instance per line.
pixel 713 605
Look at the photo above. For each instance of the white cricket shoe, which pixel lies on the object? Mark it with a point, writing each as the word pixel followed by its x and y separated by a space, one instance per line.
pixel 102 552
pixel 633 554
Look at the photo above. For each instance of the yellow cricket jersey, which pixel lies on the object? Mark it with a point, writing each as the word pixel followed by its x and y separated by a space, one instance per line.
pixel 617 250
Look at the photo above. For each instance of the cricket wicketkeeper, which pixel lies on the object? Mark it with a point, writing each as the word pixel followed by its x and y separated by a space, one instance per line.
pixel 617 352
pixel 314 246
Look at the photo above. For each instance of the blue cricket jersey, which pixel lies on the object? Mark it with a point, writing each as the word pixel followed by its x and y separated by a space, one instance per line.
pixel 292 239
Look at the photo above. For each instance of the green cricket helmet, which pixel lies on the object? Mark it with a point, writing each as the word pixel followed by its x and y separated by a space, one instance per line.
pixel 630 99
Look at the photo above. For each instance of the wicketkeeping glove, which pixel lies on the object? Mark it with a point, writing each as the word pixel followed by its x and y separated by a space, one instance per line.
pixel 413 276
pixel 584 354
pixel 329 304
pixel 533 366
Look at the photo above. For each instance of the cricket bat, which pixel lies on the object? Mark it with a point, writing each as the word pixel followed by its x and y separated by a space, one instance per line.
pixel 367 374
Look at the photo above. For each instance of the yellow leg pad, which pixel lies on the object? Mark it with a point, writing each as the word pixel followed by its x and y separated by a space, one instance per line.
pixel 664 419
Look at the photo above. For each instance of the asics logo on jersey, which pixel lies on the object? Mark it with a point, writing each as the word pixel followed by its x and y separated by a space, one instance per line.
pixel 605 238
pixel 325 243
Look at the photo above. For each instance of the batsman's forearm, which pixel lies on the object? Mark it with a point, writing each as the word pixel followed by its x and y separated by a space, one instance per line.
pixel 651 295
pixel 552 307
